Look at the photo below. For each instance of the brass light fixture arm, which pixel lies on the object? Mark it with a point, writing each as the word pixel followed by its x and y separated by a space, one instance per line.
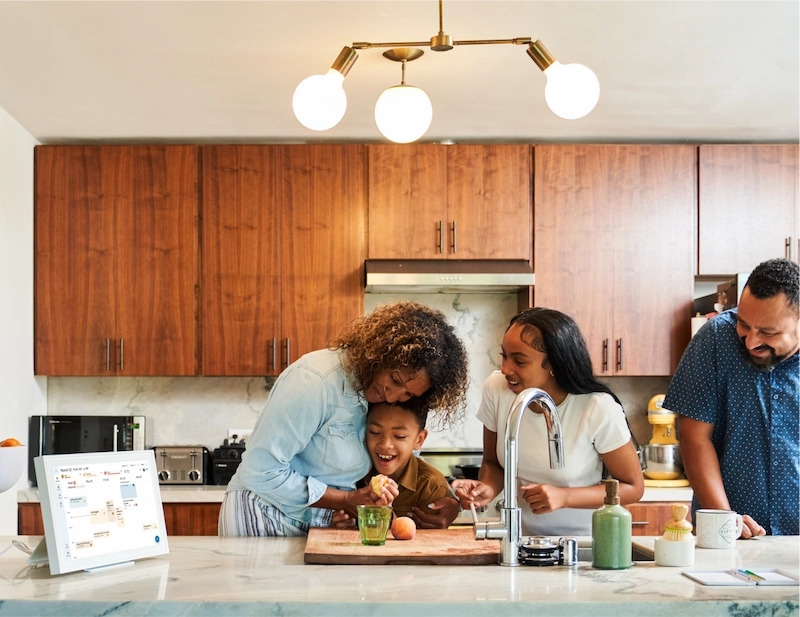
pixel 442 41
pixel 526 40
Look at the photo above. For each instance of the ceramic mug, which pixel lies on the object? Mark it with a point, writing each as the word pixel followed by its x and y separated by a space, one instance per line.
pixel 717 528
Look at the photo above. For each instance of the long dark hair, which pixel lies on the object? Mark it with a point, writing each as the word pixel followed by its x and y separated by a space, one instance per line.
pixel 560 338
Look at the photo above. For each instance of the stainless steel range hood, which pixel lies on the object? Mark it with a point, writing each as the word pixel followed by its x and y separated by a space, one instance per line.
pixel 447 276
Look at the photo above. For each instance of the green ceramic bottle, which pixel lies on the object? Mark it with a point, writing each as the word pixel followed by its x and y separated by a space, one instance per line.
pixel 611 532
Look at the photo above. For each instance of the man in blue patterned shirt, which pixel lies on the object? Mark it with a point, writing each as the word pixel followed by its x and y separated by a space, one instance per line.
pixel 737 393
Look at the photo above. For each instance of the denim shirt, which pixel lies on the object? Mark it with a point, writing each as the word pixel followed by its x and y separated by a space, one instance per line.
pixel 310 435
pixel 755 418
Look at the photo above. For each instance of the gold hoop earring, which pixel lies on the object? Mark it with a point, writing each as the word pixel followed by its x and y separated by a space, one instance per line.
pixel 552 374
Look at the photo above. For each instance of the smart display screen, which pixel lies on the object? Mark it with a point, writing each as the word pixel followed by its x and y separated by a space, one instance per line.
pixel 100 509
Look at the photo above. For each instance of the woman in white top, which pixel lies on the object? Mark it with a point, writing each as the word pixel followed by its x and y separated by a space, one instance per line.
pixel 544 348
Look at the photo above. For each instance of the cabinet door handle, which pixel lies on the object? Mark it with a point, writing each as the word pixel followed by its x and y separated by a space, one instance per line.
pixel 121 354
pixel 605 355
pixel 441 237
pixel 288 352
pixel 455 237
pixel 787 248
pixel 640 523
pixel 619 354
pixel 108 354
pixel 274 354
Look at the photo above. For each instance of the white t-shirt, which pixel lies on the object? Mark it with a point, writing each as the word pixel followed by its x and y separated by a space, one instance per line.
pixel 591 424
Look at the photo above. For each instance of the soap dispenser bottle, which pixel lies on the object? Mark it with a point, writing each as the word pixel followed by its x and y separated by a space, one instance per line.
pixel 611 532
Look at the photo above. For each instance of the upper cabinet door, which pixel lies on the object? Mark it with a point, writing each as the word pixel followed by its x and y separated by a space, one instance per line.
pixel 157 264
pixel 240 281
pixel 408 201
pixel 489 202
pixel 654 196
pixel 614 249
pixel 76 189
pixel 434 201
pixel 116 260
pixel 574 241
pixel 748 206
pixel 324 206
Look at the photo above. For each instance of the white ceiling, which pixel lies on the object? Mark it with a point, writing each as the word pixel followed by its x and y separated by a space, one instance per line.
pixel 669 71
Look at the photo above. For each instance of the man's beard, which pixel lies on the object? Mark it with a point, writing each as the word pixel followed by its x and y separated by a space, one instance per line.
pixel 767 364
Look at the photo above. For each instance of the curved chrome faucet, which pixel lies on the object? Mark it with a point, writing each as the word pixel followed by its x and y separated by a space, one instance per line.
pixel 509 529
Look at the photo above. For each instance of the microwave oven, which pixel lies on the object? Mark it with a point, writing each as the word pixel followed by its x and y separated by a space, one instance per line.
pixel 74 434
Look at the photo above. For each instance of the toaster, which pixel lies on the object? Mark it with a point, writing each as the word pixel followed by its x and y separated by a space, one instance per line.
pixel 182 464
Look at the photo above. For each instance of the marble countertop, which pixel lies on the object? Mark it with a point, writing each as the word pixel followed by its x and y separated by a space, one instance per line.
pixel 170 493
pixel 249 576
pixel 210 494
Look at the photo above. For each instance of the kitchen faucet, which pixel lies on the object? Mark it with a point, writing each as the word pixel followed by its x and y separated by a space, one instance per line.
pixel 509 528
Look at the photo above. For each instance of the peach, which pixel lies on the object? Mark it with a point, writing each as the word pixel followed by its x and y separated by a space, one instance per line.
pixel 10 442
pixel 403 528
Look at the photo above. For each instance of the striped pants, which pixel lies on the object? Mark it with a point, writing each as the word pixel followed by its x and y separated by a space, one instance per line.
pixel 243 513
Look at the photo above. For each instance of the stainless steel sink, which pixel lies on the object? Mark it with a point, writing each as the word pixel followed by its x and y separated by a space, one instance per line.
pixel 585 554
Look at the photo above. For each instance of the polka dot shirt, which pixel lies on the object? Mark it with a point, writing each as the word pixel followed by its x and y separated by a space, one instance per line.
pixel 755 417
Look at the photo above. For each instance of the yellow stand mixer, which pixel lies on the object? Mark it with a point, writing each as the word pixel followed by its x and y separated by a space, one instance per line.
pixel 662 459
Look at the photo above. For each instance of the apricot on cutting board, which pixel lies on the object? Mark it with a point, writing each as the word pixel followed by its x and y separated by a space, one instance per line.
pixel 403 528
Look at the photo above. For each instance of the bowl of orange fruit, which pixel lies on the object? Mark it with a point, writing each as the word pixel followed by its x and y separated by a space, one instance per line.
pixel 12 462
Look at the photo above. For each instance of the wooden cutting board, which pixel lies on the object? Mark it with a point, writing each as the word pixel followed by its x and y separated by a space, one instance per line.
pixel 429 547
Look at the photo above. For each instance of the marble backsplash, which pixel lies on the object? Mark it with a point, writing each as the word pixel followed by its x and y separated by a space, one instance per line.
pixel 200 410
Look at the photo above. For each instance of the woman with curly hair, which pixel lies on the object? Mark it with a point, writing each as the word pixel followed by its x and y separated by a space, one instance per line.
pixel 307 450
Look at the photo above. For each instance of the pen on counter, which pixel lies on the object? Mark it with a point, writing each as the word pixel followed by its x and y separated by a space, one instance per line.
pixel 746 574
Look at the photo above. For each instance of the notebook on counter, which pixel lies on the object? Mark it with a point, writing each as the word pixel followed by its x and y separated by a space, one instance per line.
pixel 757 576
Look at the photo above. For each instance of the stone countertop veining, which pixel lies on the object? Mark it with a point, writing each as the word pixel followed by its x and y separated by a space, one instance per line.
pixel 248 576
pixel 170 493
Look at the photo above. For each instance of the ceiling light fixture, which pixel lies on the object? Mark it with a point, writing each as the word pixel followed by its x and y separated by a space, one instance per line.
pixel 403 113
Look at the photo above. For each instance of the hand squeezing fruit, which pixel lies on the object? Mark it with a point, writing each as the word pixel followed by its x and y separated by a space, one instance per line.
pixel 377 483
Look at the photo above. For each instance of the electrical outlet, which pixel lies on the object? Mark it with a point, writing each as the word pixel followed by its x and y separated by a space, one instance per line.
pixel 241 433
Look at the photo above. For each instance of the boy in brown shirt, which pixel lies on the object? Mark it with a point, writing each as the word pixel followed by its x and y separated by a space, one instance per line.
pixel 393 433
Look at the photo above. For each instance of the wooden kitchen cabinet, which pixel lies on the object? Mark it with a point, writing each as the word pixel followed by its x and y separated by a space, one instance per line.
pixel 432 201
pixel 649 517
pixel 748 206
pixel 192 519
pixel 182 519
pixel 284 245
pixel 614 249
pixel 29 519
pixel 115 265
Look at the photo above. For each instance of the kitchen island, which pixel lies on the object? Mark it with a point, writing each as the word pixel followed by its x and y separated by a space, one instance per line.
pixel 260 576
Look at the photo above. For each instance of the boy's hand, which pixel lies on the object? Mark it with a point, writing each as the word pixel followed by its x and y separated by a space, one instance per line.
pixel 472 491
pixel 342 520
pixel 389 492
pixel 438 515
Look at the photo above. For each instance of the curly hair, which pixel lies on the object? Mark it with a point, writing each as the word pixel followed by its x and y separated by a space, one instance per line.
pixel 404 335
pixel 773 277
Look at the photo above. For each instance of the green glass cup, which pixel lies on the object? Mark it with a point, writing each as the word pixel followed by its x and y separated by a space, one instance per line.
pixel 373 523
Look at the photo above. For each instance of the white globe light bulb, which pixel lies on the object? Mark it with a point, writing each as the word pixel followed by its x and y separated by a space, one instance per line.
pixel 403 113
pixel 319 101
pixel 572 90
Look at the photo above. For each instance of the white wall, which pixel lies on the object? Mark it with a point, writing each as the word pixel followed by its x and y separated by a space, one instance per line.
pixel 21 394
